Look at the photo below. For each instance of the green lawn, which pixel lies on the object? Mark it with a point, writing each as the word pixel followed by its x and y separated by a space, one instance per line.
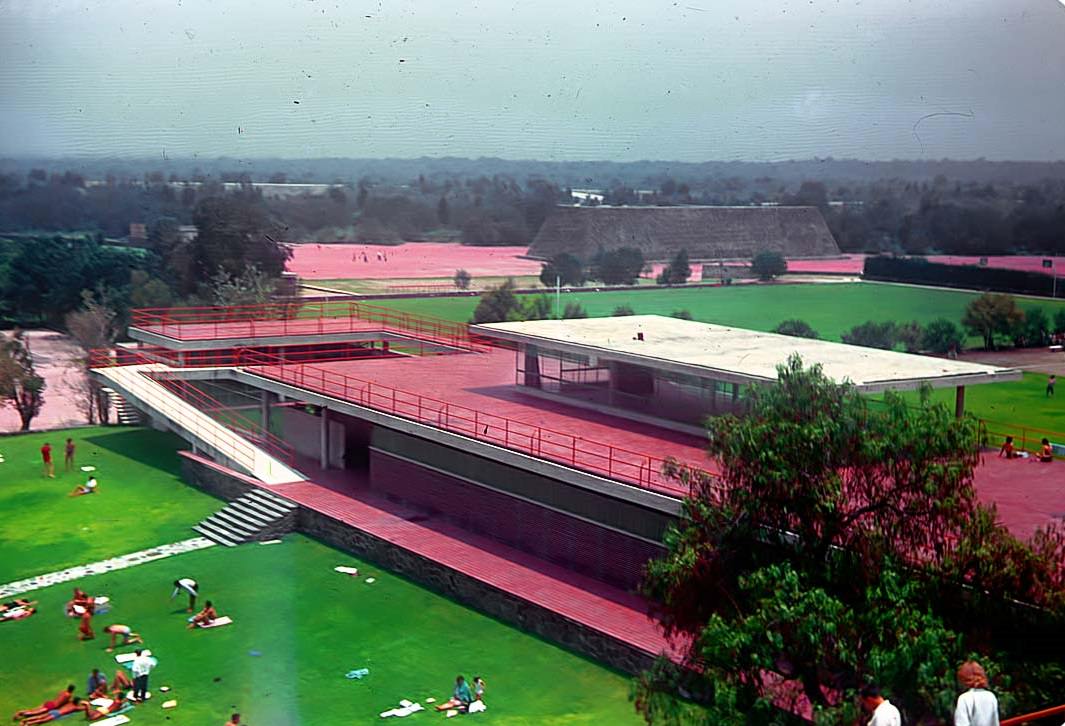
pixel 1010 407
pixel 141 502
pixel 831 309
pixel 299 627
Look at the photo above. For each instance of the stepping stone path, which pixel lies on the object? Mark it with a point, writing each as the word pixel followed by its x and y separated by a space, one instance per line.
pixel 99 568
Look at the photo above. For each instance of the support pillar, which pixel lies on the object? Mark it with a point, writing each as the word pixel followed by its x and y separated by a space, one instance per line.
pixel 959 401
pixel 324 438
pixel 264 409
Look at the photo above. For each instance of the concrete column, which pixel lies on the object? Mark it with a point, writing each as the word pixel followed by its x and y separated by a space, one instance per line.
pixel 735 395
pixel 324 441
pixel 959 401
pixel 532 365
pixel 264 409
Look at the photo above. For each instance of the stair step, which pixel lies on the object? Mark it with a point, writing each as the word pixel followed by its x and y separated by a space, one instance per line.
pixel 261 511
pixel 246 511
pixel 283 505
pixel 214 535
pixel 224 521
pixel 229 515
pixel 265 505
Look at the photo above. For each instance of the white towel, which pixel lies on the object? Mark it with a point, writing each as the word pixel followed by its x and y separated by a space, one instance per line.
pixel 128 657
pixel 218 622
pixel 114 720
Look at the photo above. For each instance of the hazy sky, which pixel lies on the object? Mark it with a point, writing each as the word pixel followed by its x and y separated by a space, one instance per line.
pixel 690 80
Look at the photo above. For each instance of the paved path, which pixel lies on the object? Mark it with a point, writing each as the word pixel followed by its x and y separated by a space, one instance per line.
pixel 53 356
pixel 98 568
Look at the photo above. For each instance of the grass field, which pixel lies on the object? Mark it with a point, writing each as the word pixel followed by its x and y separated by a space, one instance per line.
pixel 298 628
pixel 830 309
pixel 141 502
pixel 371 286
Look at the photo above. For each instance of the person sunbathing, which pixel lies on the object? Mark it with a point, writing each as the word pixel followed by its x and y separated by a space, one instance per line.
pixel 204 617
pixel 75 705
pixel 61 699
pixel 95 714
pixel 460 697
pixel 128 636
pixel 122 682
pixel 1046 453
pixel 17 609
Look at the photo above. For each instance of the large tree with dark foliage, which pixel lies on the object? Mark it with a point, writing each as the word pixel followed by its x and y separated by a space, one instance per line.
pixel 20 385
pixel 992 315
pixel 564 269
pixel 617 267
pixel 843 543
pixel 677 271
pixel 234 232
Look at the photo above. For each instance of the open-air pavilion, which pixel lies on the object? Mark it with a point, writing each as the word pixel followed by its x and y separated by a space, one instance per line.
pixel 682 370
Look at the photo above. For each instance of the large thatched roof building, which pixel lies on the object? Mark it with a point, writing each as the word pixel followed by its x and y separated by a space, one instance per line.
pixel 708 233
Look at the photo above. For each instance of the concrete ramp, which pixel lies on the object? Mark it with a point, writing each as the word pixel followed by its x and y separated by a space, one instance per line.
pixel 205 433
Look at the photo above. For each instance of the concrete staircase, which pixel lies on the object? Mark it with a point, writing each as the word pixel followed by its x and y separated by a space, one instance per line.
pixel 255 516
pixel 126 414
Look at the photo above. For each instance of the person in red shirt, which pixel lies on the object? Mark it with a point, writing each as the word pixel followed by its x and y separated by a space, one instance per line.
pixel 1007 451
pixel 46 460
pixel 1046 454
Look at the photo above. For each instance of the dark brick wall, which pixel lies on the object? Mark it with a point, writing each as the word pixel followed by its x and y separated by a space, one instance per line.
pixel 212 478
pixel 476 594
pixel 602 553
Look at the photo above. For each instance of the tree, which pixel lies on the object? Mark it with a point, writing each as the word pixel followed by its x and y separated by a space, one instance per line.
pixel 250 287
pixel 768 264
pixel 93 327
pixel 910 335
pixel 991 314
pixel 443 213
pixel 622 311
pixel 681 314
pixel 617 267
pixel 1059 321
pixel 796 328
pixel 498 304
pixel 20 386
pixel 563 268
pixel 677 271
pixel 942 336
pixel 537 307
pixel 839 543
pixel 872 334
pixel 1033 330
pixel 573 310
pixel 462 279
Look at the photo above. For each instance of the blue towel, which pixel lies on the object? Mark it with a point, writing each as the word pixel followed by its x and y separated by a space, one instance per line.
pixel 357 674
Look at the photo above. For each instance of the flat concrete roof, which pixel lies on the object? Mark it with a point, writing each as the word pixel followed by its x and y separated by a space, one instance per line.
pixel 736 354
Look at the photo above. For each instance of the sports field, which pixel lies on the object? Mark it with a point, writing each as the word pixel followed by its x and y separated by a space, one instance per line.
pixel 830 309
pixel 299 627
pixel 141 501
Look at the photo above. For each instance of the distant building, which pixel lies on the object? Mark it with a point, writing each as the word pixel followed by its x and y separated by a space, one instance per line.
pixel 707 233
pixel 587 195
pixel 187 232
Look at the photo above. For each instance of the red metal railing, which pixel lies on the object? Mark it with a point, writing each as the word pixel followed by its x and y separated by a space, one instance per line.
pixel 615 462
pixel 299 318
pixel 1025 438
pixel 290 354
pixel 236 422
pixel 1035 716
pixel 238 450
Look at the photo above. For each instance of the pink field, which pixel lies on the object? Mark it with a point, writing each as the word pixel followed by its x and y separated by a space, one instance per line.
pixel 407 261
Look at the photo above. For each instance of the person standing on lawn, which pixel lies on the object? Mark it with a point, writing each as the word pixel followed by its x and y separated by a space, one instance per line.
pixel 46 460
pixel 1050 385
pixel 190 586
pixel 68 460
pixel 142 665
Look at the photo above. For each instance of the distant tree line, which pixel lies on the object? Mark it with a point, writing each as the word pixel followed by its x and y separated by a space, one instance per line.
pixel 921 271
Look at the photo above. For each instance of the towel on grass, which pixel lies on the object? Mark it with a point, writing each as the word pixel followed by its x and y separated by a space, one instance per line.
pixel 217 622
pixel 124 658
pixel 406 709
pixel 476 707
pixel 113 721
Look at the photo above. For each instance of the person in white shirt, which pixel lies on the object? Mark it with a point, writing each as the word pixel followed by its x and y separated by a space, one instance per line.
pixel 977 706
pixel 883 711
pixel 141 666
pixel 190 586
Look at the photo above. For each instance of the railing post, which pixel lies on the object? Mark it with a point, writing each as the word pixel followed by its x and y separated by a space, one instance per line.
pixel 476 425
pixel 506 432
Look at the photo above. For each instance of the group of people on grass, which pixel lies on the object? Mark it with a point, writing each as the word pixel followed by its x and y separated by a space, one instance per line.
pixel 463 697
pixel 977 706
pixel 69 462
pixel 17 609
pixel 113 697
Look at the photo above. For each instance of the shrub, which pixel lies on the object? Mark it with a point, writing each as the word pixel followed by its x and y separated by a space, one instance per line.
pixel 768 264
pixel 796 328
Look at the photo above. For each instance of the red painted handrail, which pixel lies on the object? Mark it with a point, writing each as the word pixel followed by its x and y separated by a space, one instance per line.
pixel 644 470
pixel 1034 716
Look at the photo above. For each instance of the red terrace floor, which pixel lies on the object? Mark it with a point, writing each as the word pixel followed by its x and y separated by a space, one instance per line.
pixel 1028 495
pixel 581 599
pixel 484 382
pixel 413 260
pixel 262 328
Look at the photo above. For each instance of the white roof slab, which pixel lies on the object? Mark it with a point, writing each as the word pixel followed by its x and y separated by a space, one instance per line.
pixel 736 354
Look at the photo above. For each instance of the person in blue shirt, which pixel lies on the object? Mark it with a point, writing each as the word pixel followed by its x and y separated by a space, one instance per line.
pixel 460 697
pixel 97 685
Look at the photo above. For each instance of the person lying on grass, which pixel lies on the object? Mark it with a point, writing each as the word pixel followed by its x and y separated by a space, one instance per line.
pixel 76 705
pixel 61 699
pixel 460 697
pixel 17 609
pixel 95 714
pixel 204 617
pixel 88 487
pixel 128 636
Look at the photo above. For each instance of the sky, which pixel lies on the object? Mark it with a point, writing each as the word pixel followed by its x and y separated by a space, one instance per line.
pixel 692 80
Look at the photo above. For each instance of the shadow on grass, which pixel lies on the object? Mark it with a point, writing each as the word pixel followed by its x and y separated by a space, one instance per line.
pixel 154 448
